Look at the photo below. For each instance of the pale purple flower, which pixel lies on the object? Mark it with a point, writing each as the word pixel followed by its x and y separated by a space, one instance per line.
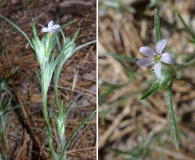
pixel 50 28
pixel 155 58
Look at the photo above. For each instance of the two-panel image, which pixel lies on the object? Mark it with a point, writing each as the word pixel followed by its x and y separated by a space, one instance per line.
pixel 97 80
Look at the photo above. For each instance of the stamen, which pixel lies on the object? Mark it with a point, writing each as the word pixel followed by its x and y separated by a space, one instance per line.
pixel 157 58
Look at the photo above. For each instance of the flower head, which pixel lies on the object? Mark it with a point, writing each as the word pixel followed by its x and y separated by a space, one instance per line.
pixel 155 58
pixel 50 28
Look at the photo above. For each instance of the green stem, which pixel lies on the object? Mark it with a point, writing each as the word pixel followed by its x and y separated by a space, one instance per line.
pixel 172 117
pixel 62 141
pixel 56 77
pixel 46 117
pixel 3 120
pixel 3 152
pixel 157 25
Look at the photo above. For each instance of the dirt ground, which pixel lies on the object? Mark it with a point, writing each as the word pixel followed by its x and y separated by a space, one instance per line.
pixel 125 122
pixel 25 127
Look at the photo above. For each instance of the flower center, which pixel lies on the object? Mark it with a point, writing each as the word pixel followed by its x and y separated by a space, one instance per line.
pixel 157 58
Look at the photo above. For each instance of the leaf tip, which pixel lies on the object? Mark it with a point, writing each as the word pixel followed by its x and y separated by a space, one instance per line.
pixel 142 98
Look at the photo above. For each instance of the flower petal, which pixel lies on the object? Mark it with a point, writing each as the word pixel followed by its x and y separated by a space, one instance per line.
pixel 42 25
pixel 167 58
pixel 50 25
pixel 147 51
pixel 145 62
pixel 160 46
pixel 56 26
pixel 44 29
pixel 157 69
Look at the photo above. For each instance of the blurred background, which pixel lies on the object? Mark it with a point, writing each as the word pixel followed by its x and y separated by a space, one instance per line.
pixel 135 129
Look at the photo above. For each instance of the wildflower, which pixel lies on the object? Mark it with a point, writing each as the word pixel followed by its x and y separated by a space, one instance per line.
pixel 155 58
pixel 51 28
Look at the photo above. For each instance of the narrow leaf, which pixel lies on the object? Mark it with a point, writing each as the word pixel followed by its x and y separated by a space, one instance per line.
pixel 121 57
pixel 58 44
pixel 126 69
pixel 77 129
pixel 157 25
pixel 151 91
pixel 10 109
pixel 38 74
pixel 172 117
pixel 34 32
pixel 75 36
pixel 104 95
pixel 83 45
pixel 72 102
pixel 192 40
pixel 18 29
pixel 64 38
pixel 12 73
pixel 67 24
pixel 110 88
pixel 186 27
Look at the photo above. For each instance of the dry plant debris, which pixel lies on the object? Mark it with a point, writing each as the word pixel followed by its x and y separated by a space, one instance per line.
pixel 25 130
pixel 124 120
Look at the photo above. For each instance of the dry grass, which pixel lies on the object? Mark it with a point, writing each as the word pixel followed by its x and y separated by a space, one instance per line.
pixel 25 129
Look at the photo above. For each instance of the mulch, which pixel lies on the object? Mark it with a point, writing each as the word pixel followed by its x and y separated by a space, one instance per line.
pixel 25 126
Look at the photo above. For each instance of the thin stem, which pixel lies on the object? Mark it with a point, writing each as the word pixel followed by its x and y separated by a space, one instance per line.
pixel 56 78
pixel 157 25
pixel 3 119
pixel 46 117
pixel 3 152
pixel 62 141
pixel 172 117
pixel 56 89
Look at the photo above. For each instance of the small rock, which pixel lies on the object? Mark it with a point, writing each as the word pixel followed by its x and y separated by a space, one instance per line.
pixel 73 7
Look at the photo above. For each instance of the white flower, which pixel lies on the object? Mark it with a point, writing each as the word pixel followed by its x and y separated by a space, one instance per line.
pixel 155 58
pixel 51 28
